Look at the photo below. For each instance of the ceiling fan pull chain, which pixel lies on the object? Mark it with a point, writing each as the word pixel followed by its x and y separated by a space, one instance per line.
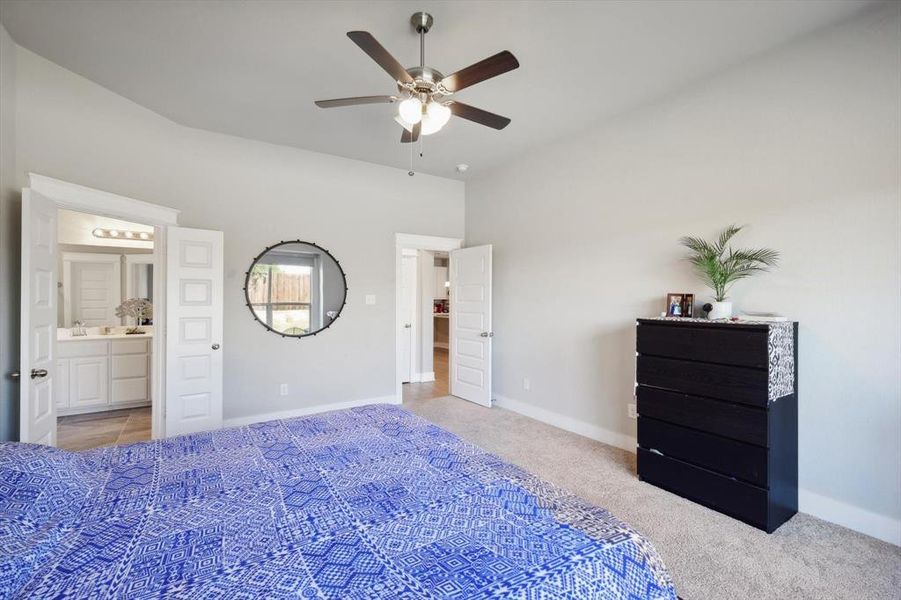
pixel 411 172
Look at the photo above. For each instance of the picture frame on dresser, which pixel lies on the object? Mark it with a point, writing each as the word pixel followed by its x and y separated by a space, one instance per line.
pixel 679 304
pixel 717 407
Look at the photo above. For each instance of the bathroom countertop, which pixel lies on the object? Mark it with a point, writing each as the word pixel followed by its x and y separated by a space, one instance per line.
pixel 97 336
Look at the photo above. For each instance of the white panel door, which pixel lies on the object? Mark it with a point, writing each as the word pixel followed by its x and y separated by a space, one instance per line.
pixel 193 330
pixel 407 306
pixel 37 410
pixel 96 292
pixel 470 324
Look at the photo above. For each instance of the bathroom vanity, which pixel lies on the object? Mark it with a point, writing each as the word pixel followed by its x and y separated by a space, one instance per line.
pixel 99 372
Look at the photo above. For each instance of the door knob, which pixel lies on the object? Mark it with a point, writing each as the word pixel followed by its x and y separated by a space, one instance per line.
pixel 14 375
pixel 487 334
pixel 215 346
pixel 407 325
pixel 38 373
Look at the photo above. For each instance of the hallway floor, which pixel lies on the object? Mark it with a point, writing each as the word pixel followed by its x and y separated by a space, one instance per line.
pixel 83 432
pixel 431 389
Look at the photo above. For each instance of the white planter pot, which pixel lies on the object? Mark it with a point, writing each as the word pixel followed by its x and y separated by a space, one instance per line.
pixel 720 310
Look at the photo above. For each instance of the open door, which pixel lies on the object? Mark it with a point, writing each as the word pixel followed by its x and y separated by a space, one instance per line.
pixel 470 279
pixel 194 281
pixel 37 411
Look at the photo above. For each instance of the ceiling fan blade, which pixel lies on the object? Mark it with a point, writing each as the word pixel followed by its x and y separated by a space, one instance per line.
pixel 354 101
pixel 492 66
pixel 377 52
pixel 477 115
pixel 411 136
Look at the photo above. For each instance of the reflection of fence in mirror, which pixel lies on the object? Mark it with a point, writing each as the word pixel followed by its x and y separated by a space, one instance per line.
pixel 280 295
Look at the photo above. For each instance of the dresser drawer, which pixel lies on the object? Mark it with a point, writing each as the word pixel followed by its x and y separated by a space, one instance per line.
pixel 727 457
pixel 744 346
pixel 735 384
pixel 735 421
pixel 735 498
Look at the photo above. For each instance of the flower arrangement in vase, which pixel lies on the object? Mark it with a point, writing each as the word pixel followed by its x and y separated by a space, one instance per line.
pixel 139 309
pixel 721 265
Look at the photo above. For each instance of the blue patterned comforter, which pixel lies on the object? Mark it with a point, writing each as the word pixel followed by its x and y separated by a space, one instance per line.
pixel 371 502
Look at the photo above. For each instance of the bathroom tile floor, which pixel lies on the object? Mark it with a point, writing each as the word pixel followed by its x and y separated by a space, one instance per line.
pixel 83 432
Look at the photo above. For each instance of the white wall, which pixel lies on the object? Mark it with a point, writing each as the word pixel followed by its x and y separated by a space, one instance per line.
pixel 9 240
pixel 802 145
pixel 258 194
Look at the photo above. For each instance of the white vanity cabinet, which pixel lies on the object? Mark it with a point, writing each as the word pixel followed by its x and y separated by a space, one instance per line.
pixel 96 375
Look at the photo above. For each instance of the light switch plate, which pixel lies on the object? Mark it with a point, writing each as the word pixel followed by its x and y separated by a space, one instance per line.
pixel 283 389
pixel 370 299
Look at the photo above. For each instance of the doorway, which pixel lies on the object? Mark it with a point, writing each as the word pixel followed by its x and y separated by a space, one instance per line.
pixel 423 316
pixel 424 305
pixel 449 284
pixel 103 390
pixel 186 280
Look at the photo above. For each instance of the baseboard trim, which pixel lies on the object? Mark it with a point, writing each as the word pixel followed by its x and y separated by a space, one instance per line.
pixel 422 377
pixel 853 517
pixel 307 410
pixel 611 438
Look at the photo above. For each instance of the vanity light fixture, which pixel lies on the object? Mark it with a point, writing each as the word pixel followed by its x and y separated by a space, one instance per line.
pixel 127 234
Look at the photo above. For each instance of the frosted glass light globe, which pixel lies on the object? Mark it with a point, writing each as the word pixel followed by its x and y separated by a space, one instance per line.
pixel 436 116
pixel 410 110
pixel 403 123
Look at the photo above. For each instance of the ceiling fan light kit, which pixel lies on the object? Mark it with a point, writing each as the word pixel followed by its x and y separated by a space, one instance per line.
pixel 424 100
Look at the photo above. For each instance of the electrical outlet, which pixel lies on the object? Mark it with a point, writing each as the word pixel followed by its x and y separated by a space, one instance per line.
pixel 283 389
pixel 370 299
pixel 633 413
pixel 526 384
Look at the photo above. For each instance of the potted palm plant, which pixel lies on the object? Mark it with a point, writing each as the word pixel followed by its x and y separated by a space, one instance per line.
pixel 720 265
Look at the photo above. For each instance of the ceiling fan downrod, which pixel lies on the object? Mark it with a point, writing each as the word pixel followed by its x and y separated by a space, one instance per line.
pixel 422 22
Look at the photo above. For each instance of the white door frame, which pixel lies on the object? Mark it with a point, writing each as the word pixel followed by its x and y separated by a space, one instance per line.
pixel 411 241
pixel 76 197
pixel 408 254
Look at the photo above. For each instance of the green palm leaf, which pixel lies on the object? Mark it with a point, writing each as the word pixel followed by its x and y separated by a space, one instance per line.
pixel 720 265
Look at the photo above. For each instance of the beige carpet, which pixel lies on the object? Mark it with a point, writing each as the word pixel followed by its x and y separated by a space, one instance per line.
pixel 708 554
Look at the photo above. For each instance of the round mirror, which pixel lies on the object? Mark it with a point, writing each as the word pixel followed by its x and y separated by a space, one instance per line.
pixel 295 288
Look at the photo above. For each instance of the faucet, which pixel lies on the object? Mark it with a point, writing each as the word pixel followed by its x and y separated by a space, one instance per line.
pixel 78 329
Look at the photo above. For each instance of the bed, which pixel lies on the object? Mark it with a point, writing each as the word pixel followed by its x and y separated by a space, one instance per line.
pixel 372 502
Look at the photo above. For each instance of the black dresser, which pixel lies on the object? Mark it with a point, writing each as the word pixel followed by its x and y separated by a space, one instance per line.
pixel 718 415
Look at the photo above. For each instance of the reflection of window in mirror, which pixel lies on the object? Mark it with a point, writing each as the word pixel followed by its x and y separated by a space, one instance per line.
pixel 284 292
pixel 295 288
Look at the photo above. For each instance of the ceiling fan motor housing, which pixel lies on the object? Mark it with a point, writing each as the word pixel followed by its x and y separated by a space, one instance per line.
pixel 425 79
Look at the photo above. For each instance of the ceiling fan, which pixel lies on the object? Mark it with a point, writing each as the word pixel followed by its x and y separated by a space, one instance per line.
pixel 425 101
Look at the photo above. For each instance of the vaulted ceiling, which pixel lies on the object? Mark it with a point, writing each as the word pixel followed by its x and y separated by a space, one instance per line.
pixel 253 69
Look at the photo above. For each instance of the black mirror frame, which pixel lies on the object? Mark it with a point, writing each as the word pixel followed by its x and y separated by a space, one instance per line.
pixel 263 253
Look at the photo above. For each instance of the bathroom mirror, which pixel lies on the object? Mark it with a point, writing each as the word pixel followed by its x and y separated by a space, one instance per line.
pixel 295 288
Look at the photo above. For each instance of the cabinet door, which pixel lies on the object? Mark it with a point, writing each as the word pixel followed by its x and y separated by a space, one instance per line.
pixel 61 384
pixel 88 381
